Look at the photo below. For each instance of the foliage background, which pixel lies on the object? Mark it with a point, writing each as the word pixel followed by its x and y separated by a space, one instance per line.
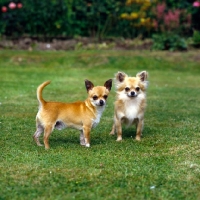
pixel 68 18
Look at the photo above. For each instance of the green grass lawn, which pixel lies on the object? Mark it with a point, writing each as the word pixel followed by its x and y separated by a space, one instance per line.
pixel 165 164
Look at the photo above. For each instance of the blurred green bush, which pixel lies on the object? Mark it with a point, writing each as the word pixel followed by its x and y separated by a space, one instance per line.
pixel 98 18
pixel 50 18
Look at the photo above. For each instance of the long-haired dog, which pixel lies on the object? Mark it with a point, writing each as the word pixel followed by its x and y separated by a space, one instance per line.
pixel 130 102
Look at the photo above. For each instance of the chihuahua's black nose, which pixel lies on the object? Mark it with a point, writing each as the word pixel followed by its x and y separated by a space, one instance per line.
pixel 132 93
pixel 101 102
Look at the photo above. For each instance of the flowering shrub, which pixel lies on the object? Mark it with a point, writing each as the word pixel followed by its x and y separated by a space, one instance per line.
pixel 53 18
pixel 126 18
pixel 167 20
pixel 8 13
pixel 171 24
pixel 138 15
pixel 11 6
pixel 32 17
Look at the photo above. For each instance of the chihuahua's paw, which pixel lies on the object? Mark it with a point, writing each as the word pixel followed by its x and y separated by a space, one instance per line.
pixel 82 142
pixel 138 138
pixel 37 141
pixel 87 145
pixel 119 139
pixel 112 133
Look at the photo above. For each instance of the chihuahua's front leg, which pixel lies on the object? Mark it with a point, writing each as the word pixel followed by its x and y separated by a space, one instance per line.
pixel 82 138
pixel 139 129
pixel 86 131
pixel 118 126
pixel 113 127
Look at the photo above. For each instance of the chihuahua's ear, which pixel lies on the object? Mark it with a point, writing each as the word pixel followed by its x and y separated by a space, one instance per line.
pixel 120 76
pixel 142 75
pixel 108 84
pixel 89 85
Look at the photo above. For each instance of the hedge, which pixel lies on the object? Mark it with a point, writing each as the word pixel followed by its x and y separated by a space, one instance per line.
pixel 96 18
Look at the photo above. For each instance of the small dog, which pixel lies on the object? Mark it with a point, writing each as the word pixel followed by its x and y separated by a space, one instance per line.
pixel 79 115
pixel 130 102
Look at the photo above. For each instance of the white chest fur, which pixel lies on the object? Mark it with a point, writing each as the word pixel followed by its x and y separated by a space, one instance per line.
pixel 131 110
pixel 98 116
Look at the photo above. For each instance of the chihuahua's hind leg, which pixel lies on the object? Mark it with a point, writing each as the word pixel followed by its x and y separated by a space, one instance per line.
pixel 47 131
pixel 113 130
pixel 39 130
pixel 82 138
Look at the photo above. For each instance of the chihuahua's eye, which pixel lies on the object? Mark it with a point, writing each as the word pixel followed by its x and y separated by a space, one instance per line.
pixel 127 89
pixel 137 89
pixel 95 97
pixel 105 96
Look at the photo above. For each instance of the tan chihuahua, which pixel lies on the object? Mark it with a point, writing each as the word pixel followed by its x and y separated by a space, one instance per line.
pixel 79 115
pixel 130 102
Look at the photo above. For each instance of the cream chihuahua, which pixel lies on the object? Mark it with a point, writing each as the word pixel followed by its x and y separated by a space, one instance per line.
pixel 79 115
pixel 130 102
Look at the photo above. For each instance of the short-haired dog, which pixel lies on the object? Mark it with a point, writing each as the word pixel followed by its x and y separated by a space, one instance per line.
pixel 81 115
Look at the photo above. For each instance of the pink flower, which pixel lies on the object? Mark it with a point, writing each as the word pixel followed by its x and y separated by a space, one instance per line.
pixel 4 9
pixel 196 4
pixel 172 19
pixel 160 10
pixel 19 5
pixel 12 5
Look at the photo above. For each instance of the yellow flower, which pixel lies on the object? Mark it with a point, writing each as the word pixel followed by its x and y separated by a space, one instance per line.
pixel 134 15
pixel 142 21
pixel 145 22
pixel 124 15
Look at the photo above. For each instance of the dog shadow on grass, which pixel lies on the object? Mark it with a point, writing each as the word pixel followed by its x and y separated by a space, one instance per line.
pixel 72 137
pixel 74 140
pixel 69 139
pixel 64 139
pixel 130 132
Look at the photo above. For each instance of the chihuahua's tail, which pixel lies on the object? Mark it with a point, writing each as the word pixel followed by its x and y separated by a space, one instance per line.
pixel 39 92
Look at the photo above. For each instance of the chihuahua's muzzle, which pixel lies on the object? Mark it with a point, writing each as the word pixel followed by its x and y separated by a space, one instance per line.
pixel 101 103
pixel 132 94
